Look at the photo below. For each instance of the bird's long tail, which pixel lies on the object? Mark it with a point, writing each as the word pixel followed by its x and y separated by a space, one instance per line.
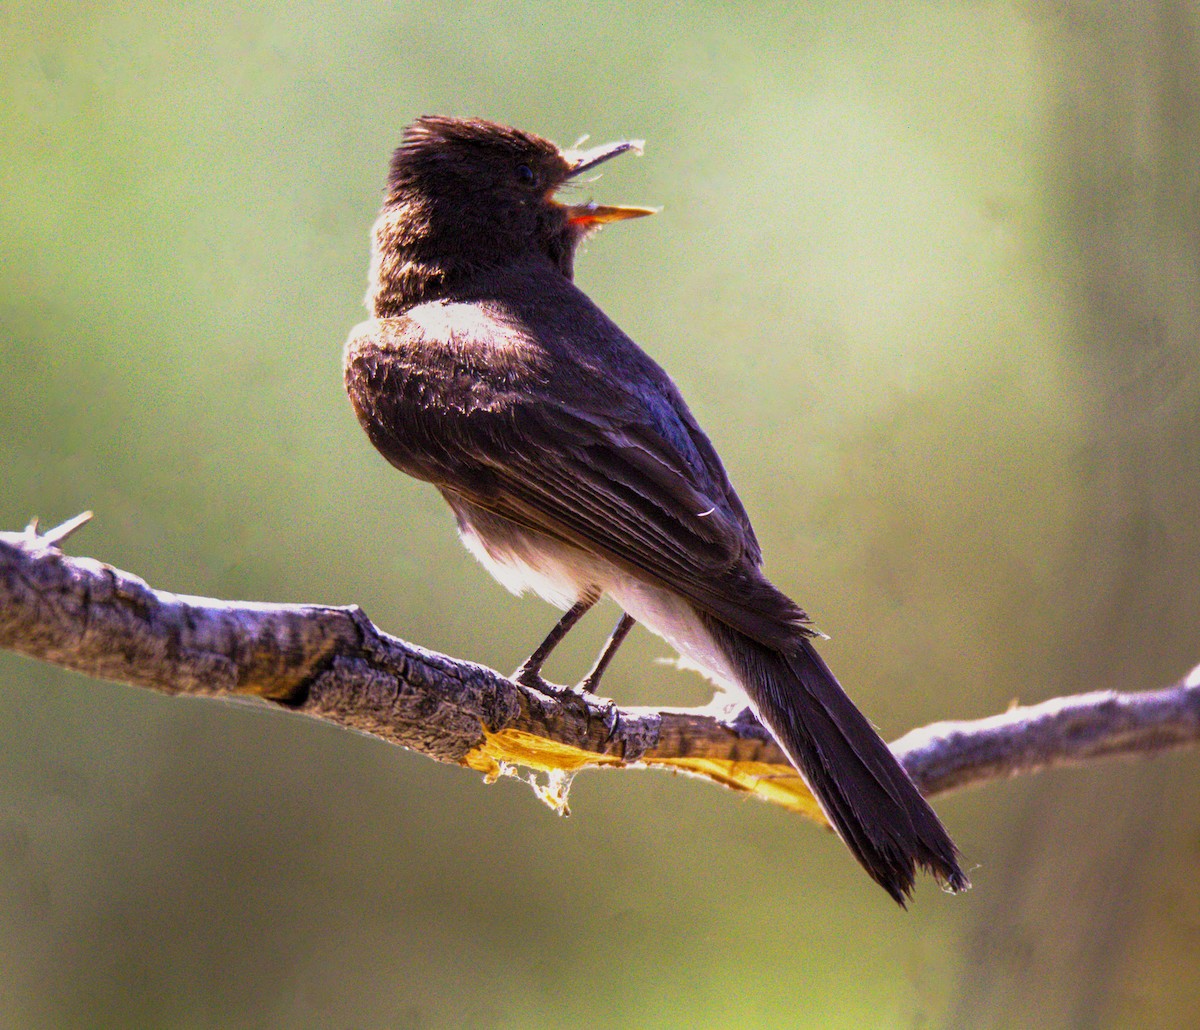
pixel 860 786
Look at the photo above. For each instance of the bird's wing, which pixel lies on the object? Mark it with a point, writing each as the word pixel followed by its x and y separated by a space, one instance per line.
pixel 615 475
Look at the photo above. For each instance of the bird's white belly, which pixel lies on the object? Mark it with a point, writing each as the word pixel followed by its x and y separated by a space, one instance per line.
pixel 521 561
pixel 562 575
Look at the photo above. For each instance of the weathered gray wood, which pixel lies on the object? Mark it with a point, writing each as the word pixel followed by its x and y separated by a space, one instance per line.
pixel 334 664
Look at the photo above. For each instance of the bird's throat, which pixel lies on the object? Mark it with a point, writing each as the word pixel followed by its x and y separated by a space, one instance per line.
pixel 417 257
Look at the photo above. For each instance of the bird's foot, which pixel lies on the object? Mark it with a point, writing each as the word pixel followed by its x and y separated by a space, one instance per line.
pixel 532 678
pixel 577 697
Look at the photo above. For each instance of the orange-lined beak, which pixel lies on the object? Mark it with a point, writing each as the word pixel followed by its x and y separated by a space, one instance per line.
pixel 592 214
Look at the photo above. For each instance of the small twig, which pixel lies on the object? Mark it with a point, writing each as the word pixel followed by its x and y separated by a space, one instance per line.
pixel 334 664
pixel 54 537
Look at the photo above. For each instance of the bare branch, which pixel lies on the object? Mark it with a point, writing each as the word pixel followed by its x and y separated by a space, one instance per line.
pixel 332 663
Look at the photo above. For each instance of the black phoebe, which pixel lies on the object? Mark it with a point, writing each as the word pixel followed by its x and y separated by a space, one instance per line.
pixel 574 467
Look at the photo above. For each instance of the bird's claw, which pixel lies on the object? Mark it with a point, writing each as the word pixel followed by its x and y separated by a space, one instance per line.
pixel 612 719
pixel 578 697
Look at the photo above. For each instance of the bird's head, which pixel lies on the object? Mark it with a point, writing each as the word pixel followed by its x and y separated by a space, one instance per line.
pixel 465 195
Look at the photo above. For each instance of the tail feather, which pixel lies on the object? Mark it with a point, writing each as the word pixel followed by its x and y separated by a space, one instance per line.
pixel 867 795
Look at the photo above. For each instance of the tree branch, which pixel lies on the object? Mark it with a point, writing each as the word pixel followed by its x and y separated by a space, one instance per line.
pixel 333 663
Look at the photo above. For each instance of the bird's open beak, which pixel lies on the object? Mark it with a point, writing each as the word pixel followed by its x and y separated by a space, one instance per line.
pixel 591 214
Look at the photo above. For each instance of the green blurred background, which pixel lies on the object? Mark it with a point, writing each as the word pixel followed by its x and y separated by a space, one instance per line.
pixel 928 275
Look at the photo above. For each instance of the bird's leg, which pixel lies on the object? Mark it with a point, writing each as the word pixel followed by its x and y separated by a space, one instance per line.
pixel 530 672
pixel 592 680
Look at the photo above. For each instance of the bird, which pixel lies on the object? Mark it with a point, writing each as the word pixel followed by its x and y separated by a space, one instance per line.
pixel 575 469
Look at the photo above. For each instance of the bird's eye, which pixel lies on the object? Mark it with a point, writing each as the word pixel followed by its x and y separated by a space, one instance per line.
pixel 527 175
